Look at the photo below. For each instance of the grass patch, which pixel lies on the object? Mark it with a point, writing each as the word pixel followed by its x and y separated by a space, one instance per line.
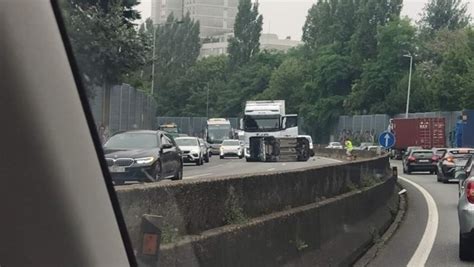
pixel 169 234
pixel 234 214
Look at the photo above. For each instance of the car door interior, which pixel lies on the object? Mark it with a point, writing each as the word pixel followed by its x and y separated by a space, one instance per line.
pixel 58 209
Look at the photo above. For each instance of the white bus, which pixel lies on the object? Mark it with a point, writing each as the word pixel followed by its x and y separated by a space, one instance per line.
pixel 217 130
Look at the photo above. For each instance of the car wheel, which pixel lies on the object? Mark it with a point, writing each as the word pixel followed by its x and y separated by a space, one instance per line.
pixel 198 162
pixel 179 173
pixel 465 249
pixel 157 174
pixel 240 157
pixel 408 170
pixel 221 157
pixel 207 159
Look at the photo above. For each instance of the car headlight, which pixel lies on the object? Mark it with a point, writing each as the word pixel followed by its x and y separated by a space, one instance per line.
pixel 146 160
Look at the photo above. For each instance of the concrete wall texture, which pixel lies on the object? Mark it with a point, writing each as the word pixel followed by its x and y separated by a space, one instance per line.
pixel 284 211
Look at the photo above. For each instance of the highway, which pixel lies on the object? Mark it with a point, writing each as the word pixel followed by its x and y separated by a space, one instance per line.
pixel 235 166
pixel 417 242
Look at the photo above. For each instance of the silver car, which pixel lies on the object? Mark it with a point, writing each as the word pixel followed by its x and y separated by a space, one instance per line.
pixel 466 212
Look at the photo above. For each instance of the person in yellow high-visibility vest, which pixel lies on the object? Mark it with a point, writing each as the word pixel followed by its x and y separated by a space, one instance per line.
pixel 349 147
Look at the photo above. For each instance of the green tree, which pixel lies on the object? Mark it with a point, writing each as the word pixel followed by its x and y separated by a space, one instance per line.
pixel 440 14
pixel 247 29
pixel 177 49
pixel 287 83
pixel 104 45
pixel 381 75
pixel 127 7
pixel 371 14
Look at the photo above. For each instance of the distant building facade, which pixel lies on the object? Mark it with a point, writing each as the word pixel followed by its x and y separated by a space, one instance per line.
pixel 216 17
pixel 217 45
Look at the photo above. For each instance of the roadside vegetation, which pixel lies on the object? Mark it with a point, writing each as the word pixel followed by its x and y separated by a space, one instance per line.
pixel 353 60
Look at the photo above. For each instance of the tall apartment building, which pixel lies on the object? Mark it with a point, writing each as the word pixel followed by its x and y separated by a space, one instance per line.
pixel 216 17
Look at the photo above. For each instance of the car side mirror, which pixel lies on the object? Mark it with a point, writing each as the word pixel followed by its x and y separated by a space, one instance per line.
pixel 166 146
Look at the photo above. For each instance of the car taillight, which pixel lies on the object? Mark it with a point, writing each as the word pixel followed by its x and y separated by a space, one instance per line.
pixel 470 191
pixel 411 158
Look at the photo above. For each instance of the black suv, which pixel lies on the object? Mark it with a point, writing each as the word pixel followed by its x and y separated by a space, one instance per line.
pixel 145 156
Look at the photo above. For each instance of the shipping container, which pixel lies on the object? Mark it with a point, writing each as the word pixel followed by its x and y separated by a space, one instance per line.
pixel 425 132
pixel 468 128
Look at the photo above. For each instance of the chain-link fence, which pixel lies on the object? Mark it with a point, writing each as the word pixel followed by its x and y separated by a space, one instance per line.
pixel 123 108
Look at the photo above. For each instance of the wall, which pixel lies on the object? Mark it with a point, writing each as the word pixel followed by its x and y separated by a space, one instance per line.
pixel 124 109
pixel 334 232
pixel 197 205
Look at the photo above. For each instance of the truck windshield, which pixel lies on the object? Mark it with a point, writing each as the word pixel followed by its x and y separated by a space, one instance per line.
pixel 261 123
pixel 217 133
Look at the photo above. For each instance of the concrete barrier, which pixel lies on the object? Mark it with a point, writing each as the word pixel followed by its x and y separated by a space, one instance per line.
pixel 341 153
pixel 197 205
pixel 333 232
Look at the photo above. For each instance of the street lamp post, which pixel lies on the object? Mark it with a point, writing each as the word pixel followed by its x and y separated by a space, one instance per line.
pixel 155 26
pixel 207 102
pixel 409 84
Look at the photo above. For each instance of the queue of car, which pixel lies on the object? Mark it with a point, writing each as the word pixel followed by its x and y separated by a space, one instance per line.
pixel 150 156
pixel 450 164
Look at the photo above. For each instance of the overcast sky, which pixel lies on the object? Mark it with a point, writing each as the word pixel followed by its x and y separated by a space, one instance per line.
pixel 286 17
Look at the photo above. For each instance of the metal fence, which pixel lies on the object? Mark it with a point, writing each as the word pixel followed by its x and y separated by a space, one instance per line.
pixel 363 128
pixel 123 108
pixel 358 125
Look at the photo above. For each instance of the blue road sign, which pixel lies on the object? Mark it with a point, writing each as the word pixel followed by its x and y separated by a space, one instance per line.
pixel 387 139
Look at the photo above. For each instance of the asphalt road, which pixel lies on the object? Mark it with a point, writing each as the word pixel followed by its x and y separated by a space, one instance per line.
pixel 235 166
pixel 413 242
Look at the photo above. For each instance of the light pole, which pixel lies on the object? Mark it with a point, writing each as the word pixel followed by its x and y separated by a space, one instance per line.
pixel 155 26
pixel 207 102
pixel 409 84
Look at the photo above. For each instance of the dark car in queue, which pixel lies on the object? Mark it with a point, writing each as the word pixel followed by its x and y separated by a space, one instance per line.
pixel 438 153
pixel 453 160
pixel 144 156
pixel 419 160
pixel 206 149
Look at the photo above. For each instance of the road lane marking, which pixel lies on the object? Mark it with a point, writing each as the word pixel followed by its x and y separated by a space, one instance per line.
pixel 423 250
pixel 196 176
pixel 271 169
